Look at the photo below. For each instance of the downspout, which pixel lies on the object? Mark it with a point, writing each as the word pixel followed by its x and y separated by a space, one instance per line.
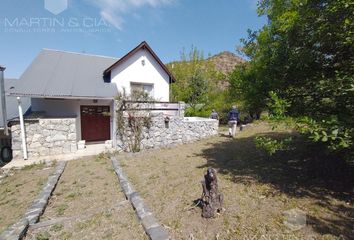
pixel 3 100
pixel 22 124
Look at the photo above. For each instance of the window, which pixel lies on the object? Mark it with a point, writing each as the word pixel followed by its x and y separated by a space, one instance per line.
pixel 142 87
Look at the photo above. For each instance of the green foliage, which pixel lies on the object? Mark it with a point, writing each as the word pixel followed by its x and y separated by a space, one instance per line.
pixel 57 227
pixel 197 84
pixel 277 107
pixel 191 70
pixel 61 209
pixel 131 120
pixel 326 131
pixel 270 145
pixel 247 88
pixel 304 54
pixel 43 236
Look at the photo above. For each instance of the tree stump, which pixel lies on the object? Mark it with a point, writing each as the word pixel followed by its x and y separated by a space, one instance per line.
pixel 212 200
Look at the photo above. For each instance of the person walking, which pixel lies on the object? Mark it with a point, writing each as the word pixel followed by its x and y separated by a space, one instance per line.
pixel 233 117
pixel 214 115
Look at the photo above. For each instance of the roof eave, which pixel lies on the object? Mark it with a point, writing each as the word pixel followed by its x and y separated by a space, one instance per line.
pixel 142 45
pixel 58 97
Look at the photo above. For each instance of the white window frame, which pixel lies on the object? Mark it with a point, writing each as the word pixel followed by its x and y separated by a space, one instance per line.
pixel 152 94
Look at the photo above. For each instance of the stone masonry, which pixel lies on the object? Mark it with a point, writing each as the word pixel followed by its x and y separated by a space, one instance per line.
pixel 173 131
pixel 45 137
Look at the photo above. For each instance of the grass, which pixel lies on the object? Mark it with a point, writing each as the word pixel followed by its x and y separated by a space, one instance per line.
pixel 86 195
pixel 257 189
pixel 43 236
pixel 18 190
pixel 60 210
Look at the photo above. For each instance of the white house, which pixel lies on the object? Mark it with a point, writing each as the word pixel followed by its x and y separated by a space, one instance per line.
pixel 81 86
pixel 141 68
pixel 11 102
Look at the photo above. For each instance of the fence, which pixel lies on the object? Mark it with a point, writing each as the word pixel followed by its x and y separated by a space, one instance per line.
pixel 172 109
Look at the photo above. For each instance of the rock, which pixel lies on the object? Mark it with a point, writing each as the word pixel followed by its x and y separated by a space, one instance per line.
pixel 73 147
pixel 35 145
pixel 59 137
pixel 108 144
pixel 37 137
pixel 47 136
pixel 72 128
pixel 179 131
pixel 72 136
pixel 81 144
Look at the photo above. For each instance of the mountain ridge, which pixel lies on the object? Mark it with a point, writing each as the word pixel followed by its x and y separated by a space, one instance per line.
pixel 226 61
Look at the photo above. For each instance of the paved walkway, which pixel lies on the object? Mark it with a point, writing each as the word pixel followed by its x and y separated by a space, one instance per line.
pixel 90 150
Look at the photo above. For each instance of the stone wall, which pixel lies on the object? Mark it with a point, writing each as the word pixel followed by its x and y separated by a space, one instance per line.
pixel 177 130
pixel 45 137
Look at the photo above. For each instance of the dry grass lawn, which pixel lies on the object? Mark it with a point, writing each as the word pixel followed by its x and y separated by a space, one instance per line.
pixel 18 190
pixel 89 190
pixel 257 189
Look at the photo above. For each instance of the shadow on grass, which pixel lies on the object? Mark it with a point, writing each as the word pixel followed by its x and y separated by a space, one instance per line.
pixel 303 171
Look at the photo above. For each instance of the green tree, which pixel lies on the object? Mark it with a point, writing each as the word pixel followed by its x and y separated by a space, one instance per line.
pixel 304 55
pixel 196 83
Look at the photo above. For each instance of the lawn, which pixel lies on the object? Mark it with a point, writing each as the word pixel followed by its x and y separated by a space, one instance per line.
pixel 18 190
pixel 257 189
pixel 89 204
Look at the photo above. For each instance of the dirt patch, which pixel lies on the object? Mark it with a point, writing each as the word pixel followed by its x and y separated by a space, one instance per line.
pixel 88 196
pixel 257 189
pixel 18 190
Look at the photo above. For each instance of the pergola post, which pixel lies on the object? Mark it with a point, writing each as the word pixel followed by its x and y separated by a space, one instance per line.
pixel 22 125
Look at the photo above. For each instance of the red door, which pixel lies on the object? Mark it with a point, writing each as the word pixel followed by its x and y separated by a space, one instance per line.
pixel 95 123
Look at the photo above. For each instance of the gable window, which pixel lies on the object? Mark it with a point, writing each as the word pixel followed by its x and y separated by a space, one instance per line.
pixel 142 87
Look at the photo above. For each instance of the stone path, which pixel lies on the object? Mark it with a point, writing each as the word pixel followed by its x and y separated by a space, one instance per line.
pixel 19 229
pixel 152 228
pixel 30 220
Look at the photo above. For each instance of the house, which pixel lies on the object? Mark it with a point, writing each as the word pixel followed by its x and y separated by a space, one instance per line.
pixel 73 99
pixel 11 113
pixel 11 102
pixel 81 86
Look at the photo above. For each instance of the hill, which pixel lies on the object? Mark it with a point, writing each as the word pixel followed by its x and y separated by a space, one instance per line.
pixel 225 62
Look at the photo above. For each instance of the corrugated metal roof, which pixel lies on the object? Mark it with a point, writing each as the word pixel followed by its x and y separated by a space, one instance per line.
pixel 11 102
pixel 59 74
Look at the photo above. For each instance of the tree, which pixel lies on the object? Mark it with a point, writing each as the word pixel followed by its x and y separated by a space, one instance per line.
pixel 304 55
pixel 196 82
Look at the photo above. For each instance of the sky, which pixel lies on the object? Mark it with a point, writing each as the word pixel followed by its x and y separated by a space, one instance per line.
pixel 114 27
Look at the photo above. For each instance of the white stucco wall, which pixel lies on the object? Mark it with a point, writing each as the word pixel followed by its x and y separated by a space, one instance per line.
pixel 69 108
pixel 133 71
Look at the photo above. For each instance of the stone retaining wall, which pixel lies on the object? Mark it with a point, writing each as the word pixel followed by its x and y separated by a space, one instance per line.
pixel 177 130
pixel 45 137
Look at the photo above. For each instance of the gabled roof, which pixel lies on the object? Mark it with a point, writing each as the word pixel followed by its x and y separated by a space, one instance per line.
pixel 146 46
pixel 59 74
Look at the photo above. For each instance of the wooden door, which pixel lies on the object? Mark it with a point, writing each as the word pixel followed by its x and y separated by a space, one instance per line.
pixel 95 123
